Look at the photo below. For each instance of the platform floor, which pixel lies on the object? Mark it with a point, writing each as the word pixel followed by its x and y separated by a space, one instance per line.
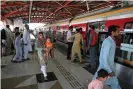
pixel 62 74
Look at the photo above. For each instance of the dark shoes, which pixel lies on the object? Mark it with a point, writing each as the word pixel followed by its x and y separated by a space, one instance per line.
pixel 23 60
pixel 14 61
pixel 26 59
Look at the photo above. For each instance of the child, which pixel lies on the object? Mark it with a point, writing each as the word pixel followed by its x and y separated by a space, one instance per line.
pixel 99 82
pixel 49 47
pixel 18 47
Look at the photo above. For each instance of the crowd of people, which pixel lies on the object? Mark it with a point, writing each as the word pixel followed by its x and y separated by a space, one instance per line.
pixel 106 71
pixel 76 44
pixel 22 44
pixel 44 47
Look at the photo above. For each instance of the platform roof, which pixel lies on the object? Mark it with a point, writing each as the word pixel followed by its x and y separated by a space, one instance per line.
pixel 50 11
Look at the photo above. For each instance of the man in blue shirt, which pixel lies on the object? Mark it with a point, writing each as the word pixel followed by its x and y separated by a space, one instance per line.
pixel 107 55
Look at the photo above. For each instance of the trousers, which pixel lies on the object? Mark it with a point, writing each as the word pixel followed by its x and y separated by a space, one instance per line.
pixel 76 49
pixel 42 62
pixel 92 52
pixel 18 54
pixel 26 50
pixel 69 49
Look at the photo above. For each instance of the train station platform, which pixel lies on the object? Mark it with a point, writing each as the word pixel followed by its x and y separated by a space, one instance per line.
pixel 62 74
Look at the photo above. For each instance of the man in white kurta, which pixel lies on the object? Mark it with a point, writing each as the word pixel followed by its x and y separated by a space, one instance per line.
pixel 107 56
pixel 27 41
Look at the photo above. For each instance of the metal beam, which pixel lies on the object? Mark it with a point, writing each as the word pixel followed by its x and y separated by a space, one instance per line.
pixel 46 3
pixel 8 14
pixel 77 7
pixel 102 5
pixel 30 10
pixel 59 8
pixel 13 5
pixel 87 6
pixel 65 9
pixel 22 12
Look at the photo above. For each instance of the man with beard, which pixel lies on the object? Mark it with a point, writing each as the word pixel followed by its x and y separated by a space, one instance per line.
pixel 107 55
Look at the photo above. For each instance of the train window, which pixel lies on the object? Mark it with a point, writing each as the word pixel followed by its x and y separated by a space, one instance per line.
pixel 129 25
pixel 99 25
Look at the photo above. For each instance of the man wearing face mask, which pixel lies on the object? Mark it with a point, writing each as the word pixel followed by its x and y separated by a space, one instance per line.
pixel 107 55
pixel 27 42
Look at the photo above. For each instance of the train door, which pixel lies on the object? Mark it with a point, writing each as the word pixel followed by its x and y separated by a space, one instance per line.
pixel 124 63
pixel 102 34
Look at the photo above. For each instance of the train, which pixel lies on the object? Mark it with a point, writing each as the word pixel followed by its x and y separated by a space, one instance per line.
pixel 124 52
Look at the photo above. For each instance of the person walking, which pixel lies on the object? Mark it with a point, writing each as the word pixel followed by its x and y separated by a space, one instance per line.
pixel 18 47
pixel 107 55
pixel 40 51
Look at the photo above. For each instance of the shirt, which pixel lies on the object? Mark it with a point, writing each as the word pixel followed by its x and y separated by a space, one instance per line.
pixel 78 39
pixel 95 84
pixel 48 45
pixel 69 34
pixel 107 55
pixel 18 41
pixel 39 44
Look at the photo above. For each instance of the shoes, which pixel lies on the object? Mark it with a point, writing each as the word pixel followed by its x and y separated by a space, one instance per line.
pixel 26 59
pixel 21 61
pixel 14 61
pixel 45 78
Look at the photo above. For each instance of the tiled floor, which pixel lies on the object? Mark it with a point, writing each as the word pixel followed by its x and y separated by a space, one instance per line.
pixel 27 75
pixel 62 74
pixel 81 74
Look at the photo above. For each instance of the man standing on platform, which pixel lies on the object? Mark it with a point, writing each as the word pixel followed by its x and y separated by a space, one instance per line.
pixel 70 43
pixel 92 46
pixel 9 39
pixel 27 42
pixel 107 56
